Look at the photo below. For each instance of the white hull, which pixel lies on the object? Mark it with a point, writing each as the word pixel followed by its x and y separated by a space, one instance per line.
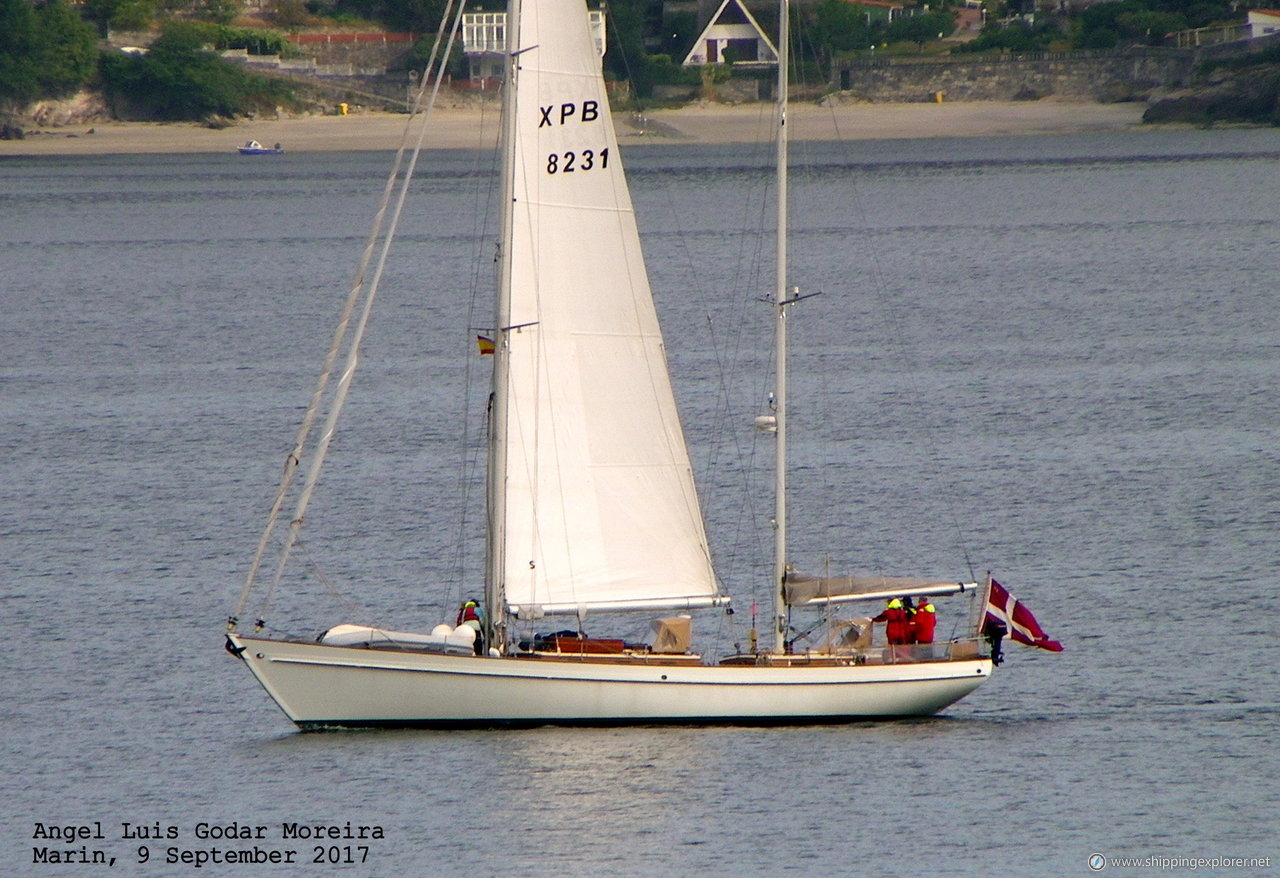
pixel 319 686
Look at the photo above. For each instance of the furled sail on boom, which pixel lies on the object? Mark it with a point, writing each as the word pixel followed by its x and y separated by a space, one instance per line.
pixel 802 590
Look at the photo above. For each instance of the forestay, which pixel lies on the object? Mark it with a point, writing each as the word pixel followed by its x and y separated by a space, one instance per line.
pixel 598 507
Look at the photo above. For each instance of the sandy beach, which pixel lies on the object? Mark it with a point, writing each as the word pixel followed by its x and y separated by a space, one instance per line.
pixel 477 127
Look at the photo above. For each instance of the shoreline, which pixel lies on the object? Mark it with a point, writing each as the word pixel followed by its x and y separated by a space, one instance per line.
pixel 477 127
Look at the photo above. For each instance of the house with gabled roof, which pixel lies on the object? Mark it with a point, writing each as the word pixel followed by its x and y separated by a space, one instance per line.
pixel 732 36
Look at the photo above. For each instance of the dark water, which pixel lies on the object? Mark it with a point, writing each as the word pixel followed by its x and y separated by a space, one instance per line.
pixel 1051 357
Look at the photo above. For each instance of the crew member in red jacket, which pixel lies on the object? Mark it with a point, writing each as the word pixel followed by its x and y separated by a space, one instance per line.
pixel 896 626
pixel 471 615
pixel 922 623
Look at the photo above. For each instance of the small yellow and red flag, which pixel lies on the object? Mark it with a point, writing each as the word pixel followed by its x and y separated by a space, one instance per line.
pixel 485 344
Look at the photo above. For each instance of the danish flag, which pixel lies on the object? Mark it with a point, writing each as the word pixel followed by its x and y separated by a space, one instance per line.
pixel 1023 627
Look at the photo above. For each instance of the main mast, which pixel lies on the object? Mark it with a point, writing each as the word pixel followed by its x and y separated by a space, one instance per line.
pixel 495 603
pixel 780 300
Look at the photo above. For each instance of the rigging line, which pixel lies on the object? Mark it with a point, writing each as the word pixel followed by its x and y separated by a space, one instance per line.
pixel 723 354
pixel 924 427
pixel 896 336
pixel 655 362
pixel 467 460
pixel 806 45
pixel 541 408
pixel 359 291
pixel 754 261
pixel 293 460
pixel 355 611
pixel 656 365
pixel 716 340
pixel 728 350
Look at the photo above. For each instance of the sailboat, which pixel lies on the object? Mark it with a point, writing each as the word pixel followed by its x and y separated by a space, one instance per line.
pixel 591 502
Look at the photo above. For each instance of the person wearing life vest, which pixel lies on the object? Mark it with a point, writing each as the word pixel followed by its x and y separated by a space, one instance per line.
pixel 923 621
pixel 896 628
pixel 472 616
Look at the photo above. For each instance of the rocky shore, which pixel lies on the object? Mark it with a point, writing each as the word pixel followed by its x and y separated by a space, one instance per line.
pixel 1247 93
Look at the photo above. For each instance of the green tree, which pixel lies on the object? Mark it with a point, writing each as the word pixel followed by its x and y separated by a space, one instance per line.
pixel 45 50
pixel 839 26
pixel 66 49
pixel 292 14
pixel 1150 26
pixel 1201 13
pixel 626 58
pixel 921 29
pixel 1129 22
pixel 420 55
pixel 179 80
pixel 416 16
pixel 1018 36
pixel 221 11
pixel 1099 38
pixel 125 15
pixel 679 30
pixel 19 83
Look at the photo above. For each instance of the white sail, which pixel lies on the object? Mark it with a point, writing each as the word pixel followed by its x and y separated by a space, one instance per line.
pixel 598 504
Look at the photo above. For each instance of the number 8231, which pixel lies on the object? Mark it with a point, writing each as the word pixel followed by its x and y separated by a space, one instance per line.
pixel 570 162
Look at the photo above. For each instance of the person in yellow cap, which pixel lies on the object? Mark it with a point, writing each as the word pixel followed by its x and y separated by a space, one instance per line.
pixel 923 621
pixel 472 616
pixel 894 617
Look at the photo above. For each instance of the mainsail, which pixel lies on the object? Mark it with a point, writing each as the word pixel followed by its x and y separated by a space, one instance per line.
pixel 596 501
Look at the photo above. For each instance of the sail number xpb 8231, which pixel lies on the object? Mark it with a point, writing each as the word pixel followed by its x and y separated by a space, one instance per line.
pixel 570 161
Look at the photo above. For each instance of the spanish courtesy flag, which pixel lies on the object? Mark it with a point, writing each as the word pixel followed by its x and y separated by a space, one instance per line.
pixel 485 344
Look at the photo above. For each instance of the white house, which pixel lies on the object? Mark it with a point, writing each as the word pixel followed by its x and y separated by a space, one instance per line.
pixel 731 36
pixel 484 41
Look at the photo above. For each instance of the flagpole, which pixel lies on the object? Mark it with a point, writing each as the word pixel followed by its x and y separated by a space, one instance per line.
pixel 980 618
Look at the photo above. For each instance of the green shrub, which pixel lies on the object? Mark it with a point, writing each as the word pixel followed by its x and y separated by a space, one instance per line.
pixel 662 70
pixel 178 80
pixel 1100 38
pixel 45 50
pixel 220 37
pixel 1016 37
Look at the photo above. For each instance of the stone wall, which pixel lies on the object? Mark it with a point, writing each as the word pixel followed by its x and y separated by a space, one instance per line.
pixel 1106 76
pixel 359 50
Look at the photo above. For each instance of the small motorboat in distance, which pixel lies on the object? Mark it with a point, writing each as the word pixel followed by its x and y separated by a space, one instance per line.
pixel 255 148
